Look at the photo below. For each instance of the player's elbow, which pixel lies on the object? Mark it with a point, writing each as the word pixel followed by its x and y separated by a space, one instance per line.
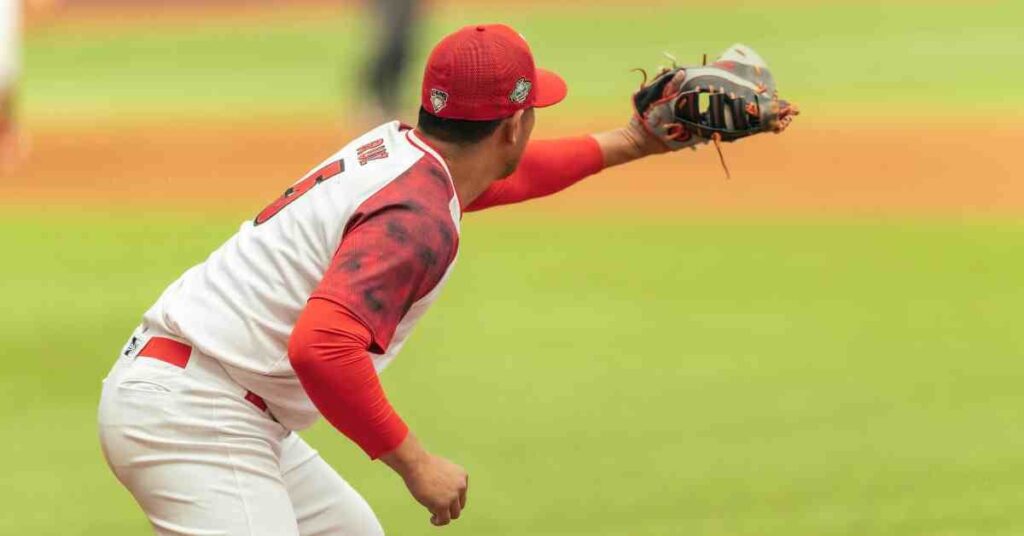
pixel 325 332
pixel 306 338
pixel 300 353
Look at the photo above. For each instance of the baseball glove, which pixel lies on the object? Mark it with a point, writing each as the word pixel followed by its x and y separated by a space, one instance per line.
pixel 732 98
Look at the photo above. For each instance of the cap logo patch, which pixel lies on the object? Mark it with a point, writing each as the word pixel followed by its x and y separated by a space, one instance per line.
pixel 521 91
pixel 438 99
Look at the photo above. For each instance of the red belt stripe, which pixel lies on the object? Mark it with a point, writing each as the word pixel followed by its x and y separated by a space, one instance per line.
pixel 178 354
pixel 168 351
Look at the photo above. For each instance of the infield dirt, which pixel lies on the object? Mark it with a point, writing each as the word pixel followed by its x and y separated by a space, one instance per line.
pixel 829 164
pixel 814 169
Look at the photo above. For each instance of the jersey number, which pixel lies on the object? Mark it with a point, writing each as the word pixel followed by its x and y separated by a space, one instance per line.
pixel 299 188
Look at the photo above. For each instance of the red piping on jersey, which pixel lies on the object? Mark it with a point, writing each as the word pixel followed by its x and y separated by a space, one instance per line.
pixel 432 152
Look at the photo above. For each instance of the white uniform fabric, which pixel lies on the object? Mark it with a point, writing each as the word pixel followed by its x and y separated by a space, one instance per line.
pixel 240 305
pixel 200 459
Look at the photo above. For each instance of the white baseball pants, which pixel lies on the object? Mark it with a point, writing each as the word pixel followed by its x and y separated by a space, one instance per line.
pixel 202 457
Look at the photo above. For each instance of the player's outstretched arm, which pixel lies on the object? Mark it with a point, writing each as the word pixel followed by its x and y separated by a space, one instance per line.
pixel 550 166
pixel 730 99
pixel 626 144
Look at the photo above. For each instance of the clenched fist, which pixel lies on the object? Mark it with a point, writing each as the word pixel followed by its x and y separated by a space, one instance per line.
pixel 436 483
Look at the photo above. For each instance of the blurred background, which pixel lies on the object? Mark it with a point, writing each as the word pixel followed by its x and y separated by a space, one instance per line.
pixel 823 345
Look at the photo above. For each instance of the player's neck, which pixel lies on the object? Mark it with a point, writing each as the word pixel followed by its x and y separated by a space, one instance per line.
pixel 473 169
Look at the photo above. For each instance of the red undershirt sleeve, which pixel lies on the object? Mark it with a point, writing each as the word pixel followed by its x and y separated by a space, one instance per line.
pixel 547 167
pixel 328 351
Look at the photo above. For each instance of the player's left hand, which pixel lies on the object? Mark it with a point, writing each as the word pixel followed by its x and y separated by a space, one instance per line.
pixel 435 482
pixel 732 98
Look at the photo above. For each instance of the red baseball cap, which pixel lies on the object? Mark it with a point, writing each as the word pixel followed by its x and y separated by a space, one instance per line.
pixel 486 72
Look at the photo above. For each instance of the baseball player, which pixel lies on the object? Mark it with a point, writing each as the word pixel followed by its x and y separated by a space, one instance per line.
pixel 297 313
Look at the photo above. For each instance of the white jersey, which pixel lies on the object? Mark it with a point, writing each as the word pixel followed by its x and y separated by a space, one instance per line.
pixel 239 306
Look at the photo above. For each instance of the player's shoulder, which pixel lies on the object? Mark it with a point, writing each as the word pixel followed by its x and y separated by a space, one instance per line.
pixel 408 171
pixel 379 151
pixel 391 150
pixel 386 168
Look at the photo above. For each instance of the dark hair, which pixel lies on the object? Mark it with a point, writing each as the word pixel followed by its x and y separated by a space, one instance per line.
pixel 457 131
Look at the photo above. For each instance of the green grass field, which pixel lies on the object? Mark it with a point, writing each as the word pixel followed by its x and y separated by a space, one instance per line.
pixel 869 56
pixel 598 376
pixel 654 379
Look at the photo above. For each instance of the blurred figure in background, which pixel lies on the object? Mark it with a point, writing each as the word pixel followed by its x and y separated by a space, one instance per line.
pixel 10 59
pixel 396 25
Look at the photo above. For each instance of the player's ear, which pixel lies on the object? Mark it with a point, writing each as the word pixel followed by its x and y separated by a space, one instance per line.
pixel 511 130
